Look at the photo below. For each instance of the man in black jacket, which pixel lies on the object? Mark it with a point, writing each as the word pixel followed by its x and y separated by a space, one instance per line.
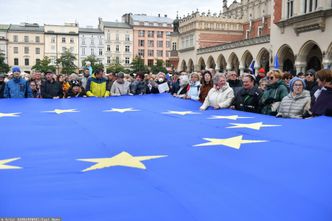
pixel 51 88
pixel 247 98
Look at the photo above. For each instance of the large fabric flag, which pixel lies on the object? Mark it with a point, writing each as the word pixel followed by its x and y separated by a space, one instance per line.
pixel 156 157
pixel 276 61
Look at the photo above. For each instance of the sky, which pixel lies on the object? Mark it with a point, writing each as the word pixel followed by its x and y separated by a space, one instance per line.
pixel 86 12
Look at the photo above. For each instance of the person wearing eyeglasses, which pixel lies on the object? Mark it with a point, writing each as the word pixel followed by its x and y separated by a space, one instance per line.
pixel 275 92
pixel 297 103
pixel 220 96
pixel 310 81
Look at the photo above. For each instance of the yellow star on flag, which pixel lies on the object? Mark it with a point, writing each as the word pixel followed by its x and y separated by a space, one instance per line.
pixel 123 159
pixel 121 110
pixel 3 165
pixel 9 114
pixel 231 117
pixel 233 142
pixel 254 126
pixel 61 111
pixel 180 112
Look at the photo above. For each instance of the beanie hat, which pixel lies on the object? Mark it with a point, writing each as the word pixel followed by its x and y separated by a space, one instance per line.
pixel 261 70
pixel 16 69
pixel 292 81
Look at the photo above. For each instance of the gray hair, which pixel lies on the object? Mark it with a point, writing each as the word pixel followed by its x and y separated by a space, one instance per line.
pixel 216 78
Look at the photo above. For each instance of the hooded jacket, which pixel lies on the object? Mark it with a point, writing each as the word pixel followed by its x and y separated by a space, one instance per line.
pixel 96 87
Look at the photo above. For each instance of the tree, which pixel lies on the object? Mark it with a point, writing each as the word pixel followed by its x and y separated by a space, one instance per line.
pixel 137 65
pixel 158 67
pixel 67 62
pixel 95 63
pixel 44 65
pixel 4 68
pixel 115 68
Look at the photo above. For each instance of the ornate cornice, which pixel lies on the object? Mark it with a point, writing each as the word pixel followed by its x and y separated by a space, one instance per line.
pixel 236 44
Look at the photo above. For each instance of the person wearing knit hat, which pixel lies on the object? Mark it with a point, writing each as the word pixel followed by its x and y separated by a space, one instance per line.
pixel 17 87
pixel 297 103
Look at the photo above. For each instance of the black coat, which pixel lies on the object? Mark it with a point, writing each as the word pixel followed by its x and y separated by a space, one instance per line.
pixel 2 89
pixel 51 89
pixel 248 100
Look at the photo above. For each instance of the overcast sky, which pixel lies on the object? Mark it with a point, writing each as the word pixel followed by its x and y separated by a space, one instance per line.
pixel 86 12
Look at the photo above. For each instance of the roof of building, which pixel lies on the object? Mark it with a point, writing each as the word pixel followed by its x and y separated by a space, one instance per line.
pixel 4 27
pixel 90 30
pixel 116 24
pixel 27 27
pixel 145 18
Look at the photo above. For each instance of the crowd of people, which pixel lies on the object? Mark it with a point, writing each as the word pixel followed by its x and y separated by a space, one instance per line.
pixel 274 93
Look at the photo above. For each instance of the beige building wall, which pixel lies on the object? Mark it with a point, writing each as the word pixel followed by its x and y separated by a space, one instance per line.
pixel 25 46
pixel 59 38
pixel 118 46
pixel 302 34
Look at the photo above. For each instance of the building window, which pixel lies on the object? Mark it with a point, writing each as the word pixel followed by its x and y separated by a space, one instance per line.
pixel 63 40
pixel 92 51
pixel 117 48
pixel 141 52
pixel 247 34
pixel 71 49
pixel 150 34
pixel 168 54
pixel 160 53
pixel 141 33
pixel 83 51
pixel 127 60
pixel 26 50
pixel 37 60
pixel 150 62
pixel 37 50
pixel 26 61
pixel 100 40
pixel 53 40
pixel 92 40
pixel 16 61
pixel 127 38
pixel 15 38
pixel 151 53
pixel 108 60
pixel 174 46
pixel 151 43
pixel 160 34
pixel 63 49
pixel 290 5
pixel 15 50
pixel 141 43
pixel 53 48
pixel 117 60
pixel 127 48
pixel 108 36
pixel 37 39
pixel 160 44
pixel 26 39
pixel 83 41
pixel 310 5
pixel 168 44
pixel 108 48
pixel 168 33
pixel 117 37
pixel 71 40
pixel 100 51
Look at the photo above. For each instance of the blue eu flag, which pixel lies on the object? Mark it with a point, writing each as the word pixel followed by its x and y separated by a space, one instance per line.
pixel 156 157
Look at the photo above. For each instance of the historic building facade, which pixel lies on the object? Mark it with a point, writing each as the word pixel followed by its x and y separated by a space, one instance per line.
pixel 25 45
pixel 60 38
pixel 151 36
pixel 91 43
pixel 4 41
pixel 118 45
pixel 294 32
